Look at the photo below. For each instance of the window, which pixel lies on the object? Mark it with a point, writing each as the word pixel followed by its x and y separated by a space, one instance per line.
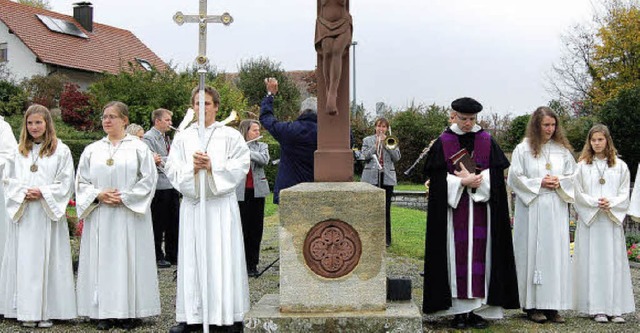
pixel 61 26
pixel 4 56
pixel 145 64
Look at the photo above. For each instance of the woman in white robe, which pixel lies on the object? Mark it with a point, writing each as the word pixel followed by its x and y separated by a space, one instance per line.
pixel 541 172
pixel 602 284
pixel 117 277
pixel 7 145
pixel 212 274
pixel 36 281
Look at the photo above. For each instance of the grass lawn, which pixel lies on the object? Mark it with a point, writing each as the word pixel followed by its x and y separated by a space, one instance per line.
pixel 408 228
pixel 409 187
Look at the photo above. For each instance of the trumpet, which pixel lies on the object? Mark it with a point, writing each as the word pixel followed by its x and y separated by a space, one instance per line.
pixel 391 142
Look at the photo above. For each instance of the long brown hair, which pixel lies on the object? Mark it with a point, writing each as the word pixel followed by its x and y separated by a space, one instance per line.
pixel 534 130
pixel 50 141
pixel 609 150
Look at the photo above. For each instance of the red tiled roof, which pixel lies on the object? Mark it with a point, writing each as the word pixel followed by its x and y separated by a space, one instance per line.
pixel 108 49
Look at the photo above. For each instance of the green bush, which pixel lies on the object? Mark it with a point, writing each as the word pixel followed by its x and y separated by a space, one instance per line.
pixel 77 147
pixel 45 89
pixel 622 117
pixel 13 99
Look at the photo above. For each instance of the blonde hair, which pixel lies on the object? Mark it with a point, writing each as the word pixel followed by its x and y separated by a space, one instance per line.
pixel 534 130
pixel 50 141
pixel 609 151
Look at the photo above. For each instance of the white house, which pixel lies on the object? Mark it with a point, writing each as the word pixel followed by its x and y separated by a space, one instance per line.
pixel 37 41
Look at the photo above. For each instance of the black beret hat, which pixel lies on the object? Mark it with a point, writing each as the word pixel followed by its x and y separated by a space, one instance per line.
pixel 466 105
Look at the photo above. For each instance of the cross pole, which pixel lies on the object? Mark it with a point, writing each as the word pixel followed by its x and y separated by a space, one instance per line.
pixel 201 60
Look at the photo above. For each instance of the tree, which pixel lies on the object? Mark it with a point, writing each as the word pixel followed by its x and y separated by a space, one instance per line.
pixel 251 82
pixel 601 58
pixel 44 4
pixel 516 132
pixel 621 115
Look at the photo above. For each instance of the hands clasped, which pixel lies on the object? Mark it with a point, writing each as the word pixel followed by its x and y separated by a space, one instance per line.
pixel 201 161
pixel 33 194
pixel 603 203
pixel 468 179
pixel 550 182
pixel 110 197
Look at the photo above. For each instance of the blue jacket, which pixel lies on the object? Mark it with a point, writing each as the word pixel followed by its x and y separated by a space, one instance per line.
pixel 298 141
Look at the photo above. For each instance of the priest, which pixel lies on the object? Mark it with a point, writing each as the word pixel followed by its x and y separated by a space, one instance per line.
pixel 469 264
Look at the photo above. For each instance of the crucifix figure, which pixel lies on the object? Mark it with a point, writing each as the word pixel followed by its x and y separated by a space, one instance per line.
pixel 195 306
pixel 333 161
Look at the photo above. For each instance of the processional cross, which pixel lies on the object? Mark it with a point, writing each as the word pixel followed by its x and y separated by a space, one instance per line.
pixel 201 60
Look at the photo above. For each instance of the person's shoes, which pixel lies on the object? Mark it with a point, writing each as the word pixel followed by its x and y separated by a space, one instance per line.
pixel 459 321
pixel 163 263
pixel 104 324
pixel 618 320
pixel 184 328
pixel 476 321
pixel 536 316
pixel 554 316
pixel 253 272
pixel 29 324
pixel 129 323
pixel 421 273
pixel 601 318
pixel 45 324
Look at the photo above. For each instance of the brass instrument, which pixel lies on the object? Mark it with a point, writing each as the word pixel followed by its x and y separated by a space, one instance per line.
pixel 391 142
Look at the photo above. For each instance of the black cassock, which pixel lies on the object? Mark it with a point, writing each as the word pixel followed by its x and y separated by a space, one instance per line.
pixel 503 285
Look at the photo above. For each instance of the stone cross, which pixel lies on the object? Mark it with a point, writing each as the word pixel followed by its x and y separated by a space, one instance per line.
pixel 202 19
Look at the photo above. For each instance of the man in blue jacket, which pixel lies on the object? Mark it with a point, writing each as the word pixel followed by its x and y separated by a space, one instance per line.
pixel 298 140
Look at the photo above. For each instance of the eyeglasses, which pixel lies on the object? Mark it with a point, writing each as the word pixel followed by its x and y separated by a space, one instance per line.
pixel 109 116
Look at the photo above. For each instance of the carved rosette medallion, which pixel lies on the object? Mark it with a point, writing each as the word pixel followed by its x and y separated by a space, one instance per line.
pixel 332 248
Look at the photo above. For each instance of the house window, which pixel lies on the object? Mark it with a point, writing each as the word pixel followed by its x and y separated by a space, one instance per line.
pixel 4 56
pixel 145 64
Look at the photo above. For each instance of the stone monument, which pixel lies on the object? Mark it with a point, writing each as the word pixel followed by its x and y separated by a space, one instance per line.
pixel 332 231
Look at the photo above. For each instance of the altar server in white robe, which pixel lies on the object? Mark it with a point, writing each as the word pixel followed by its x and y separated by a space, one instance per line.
pixel 210 250
pixel 36 280
pixel 602 287
pixel 117 277
pixel 634 204
pixel 7 146
pixel 541 175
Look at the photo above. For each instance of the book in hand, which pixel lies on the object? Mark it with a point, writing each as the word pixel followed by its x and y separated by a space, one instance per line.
pixel 463 157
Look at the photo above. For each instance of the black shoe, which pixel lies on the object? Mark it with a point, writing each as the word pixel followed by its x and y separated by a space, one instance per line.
pixel 421 273
pixel 104 324
pixel 253 272
pixel 184 328
pixel 128 324
pixel 163 263
pixel 459 321
pixel 476 321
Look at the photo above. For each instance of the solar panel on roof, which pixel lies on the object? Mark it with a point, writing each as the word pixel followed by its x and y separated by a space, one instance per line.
pixel 61 26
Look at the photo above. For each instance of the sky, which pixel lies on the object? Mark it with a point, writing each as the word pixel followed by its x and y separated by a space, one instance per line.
pixel 500 52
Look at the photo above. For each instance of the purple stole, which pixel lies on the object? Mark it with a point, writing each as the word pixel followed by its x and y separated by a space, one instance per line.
pixel 481 153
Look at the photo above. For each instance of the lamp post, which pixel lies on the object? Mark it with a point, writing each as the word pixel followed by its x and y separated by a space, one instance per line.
pixel 354 43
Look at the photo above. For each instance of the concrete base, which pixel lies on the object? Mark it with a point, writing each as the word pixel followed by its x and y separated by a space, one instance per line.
pixel 398 317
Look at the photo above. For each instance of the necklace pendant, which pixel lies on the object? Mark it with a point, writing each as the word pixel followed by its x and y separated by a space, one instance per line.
pixel 548 166
pixel 602 181
pixel 34 167
pixel 110 162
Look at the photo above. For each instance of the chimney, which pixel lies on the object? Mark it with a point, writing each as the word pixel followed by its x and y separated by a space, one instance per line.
pixel 83 13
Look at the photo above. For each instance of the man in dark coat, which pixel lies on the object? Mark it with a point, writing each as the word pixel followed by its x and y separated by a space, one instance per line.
pixel 298 140
pixel 469 263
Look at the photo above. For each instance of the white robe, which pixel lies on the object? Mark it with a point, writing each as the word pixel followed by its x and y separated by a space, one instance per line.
pixel 602 281
pixel 7 145
pixel 215 245
pixel 634 204
pixel 36 281
pixel 541 226
pixel 117 274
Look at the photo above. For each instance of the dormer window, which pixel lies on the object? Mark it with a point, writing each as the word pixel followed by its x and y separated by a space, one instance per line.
pixel 145 64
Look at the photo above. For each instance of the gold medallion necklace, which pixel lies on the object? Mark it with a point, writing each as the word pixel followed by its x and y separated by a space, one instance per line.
pixel 110 160
pixel 602 181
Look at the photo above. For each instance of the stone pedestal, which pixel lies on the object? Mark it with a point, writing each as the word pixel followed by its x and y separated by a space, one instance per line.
pixel 332 271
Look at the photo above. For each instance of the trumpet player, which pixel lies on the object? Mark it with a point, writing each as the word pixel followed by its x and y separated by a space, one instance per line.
pixel 380 152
